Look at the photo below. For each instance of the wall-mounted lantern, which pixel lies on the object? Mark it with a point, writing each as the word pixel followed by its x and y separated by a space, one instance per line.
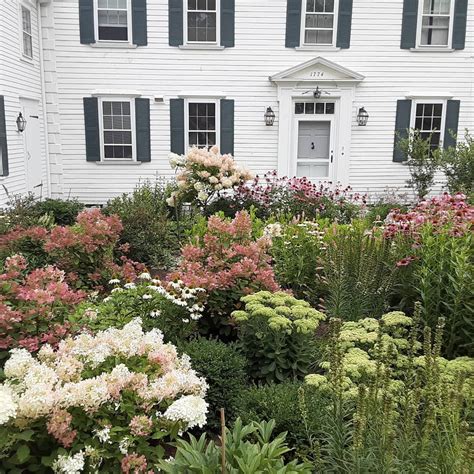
pixel 269 117
pixel 362 117
pixel 20 123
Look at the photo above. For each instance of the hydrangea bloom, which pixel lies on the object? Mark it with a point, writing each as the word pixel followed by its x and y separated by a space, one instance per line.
pixel 190 409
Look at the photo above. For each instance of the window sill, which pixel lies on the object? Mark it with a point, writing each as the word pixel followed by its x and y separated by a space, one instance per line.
pixel 118 162
pixel 431 50
pixel 317 48
pixel 27 60
pixel 202 46
pixel 113 45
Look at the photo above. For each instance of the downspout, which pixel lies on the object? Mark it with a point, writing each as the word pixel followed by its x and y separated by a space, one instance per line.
pixel 43 96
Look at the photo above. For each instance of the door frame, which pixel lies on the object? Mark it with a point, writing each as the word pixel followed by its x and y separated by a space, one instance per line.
pixel 332 119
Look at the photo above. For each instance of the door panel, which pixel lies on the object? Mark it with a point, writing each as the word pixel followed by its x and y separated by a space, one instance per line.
pixel 314 148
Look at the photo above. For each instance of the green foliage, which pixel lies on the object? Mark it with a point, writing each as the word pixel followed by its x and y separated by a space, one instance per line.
pixel 421 161
pixel 444 279
pixel 224 369
pixel 458 166
pixel 360 271
pixel 151 228
pixel 249 449
pixel 276 332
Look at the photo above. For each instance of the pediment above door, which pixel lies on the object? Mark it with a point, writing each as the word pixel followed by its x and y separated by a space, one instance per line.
pixel 317 70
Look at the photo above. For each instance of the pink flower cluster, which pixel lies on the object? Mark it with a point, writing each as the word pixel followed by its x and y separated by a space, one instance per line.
pixel 445 211
pixel 228 258
pixel 135 464
pixel 33 305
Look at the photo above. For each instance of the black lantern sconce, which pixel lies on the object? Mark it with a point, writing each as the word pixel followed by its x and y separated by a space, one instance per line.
pixel 362 117
pixel 269 117
pixel 20 123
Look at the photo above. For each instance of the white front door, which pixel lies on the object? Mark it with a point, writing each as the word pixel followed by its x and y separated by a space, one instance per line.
pixel 32 146
pixel 314 155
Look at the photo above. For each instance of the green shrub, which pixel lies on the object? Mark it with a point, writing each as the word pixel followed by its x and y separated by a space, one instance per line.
pixel 276 332
pixel 151 228
pixel 249 449
pixel 224 370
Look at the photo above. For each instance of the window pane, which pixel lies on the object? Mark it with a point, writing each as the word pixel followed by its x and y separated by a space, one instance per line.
pixel 330 108
pixel 437 7
pixel 309 108
pixel 299 108
pixel 320 108
pixel 202 124
pixel 309 170
pixel 428 121
pixel 117 130
pixel 318 37
pixel 113 33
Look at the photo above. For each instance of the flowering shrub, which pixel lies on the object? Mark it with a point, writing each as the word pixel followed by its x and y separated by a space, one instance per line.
pixel 84 251
pixel 203 174
pixel 170 307
pixel 34 305
pixel 228 263
pixel 272 196
pixel 107 402
pixel 276 331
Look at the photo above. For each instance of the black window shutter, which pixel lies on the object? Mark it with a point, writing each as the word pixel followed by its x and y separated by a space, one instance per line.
pixel 3 139
pixel 175 14
pixel 402 125
pixel 142 121
pixel 344 24
pixel 228 23
pixel 459 24
pixel 86 21
pixel 139 22
pixel 293 23
pixel 452 123
pixel 409 22
pixel 227 127
pixel 177 126
pixel 91 121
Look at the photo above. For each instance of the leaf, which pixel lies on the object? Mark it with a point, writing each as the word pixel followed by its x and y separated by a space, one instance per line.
pixel 23 453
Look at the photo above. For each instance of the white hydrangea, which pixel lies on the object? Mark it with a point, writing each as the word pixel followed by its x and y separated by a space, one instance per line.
pixel 103 435
pixel 69 464
pixel 189 409
pixel 18 364
pixel 7 404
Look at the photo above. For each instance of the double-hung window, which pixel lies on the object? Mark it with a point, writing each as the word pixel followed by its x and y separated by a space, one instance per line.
pixel 202 21
pixel 202 124
pixel 117 131
pixel 429 120
pixel 319 22
pixel 435 27
pixel 27 36
pixel 113 20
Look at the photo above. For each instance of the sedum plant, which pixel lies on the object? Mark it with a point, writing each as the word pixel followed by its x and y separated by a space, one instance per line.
pixel 103 403
pixel 248 449
pixel 276 331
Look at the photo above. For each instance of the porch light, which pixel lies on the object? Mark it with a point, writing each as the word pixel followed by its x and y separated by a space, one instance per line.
pixel 269 117
pixel 362 117
pixel 20 123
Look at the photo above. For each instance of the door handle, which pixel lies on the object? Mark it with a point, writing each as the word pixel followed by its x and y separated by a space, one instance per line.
pixel 312 146
pixel 332 156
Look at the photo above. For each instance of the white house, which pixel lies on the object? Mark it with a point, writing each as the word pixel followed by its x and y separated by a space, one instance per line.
pixel 109 87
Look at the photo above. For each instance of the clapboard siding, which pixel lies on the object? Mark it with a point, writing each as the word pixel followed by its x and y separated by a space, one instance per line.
pixel 19 78
pixel 241 73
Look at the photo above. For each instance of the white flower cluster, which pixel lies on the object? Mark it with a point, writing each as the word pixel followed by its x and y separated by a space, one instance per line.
pixel 190 409
pixel 36 387
pixel 69 464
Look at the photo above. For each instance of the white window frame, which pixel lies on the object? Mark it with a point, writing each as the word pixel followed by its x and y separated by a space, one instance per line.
pixel 334 29
pixel 218 26
pixel 129 25
pixel 23 6
pixel 133 127
pixel 186 118
pixel 444 103
pixel 420 25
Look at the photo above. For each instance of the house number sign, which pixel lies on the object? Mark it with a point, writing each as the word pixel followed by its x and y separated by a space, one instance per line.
pixel 317 74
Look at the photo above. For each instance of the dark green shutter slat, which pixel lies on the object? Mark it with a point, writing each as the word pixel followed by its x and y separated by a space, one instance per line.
pixel 175 22
pixel 142 120
pixel 139 22
pixel 293 23
pixel 452 123
pixel 459 24
pixel 227 127
pixel 3 138
pixel 344 24
pixel 177 125
pixel 91 121
pixel 402 126
pixel 86 21
pixel 228 23
pixel 409 22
